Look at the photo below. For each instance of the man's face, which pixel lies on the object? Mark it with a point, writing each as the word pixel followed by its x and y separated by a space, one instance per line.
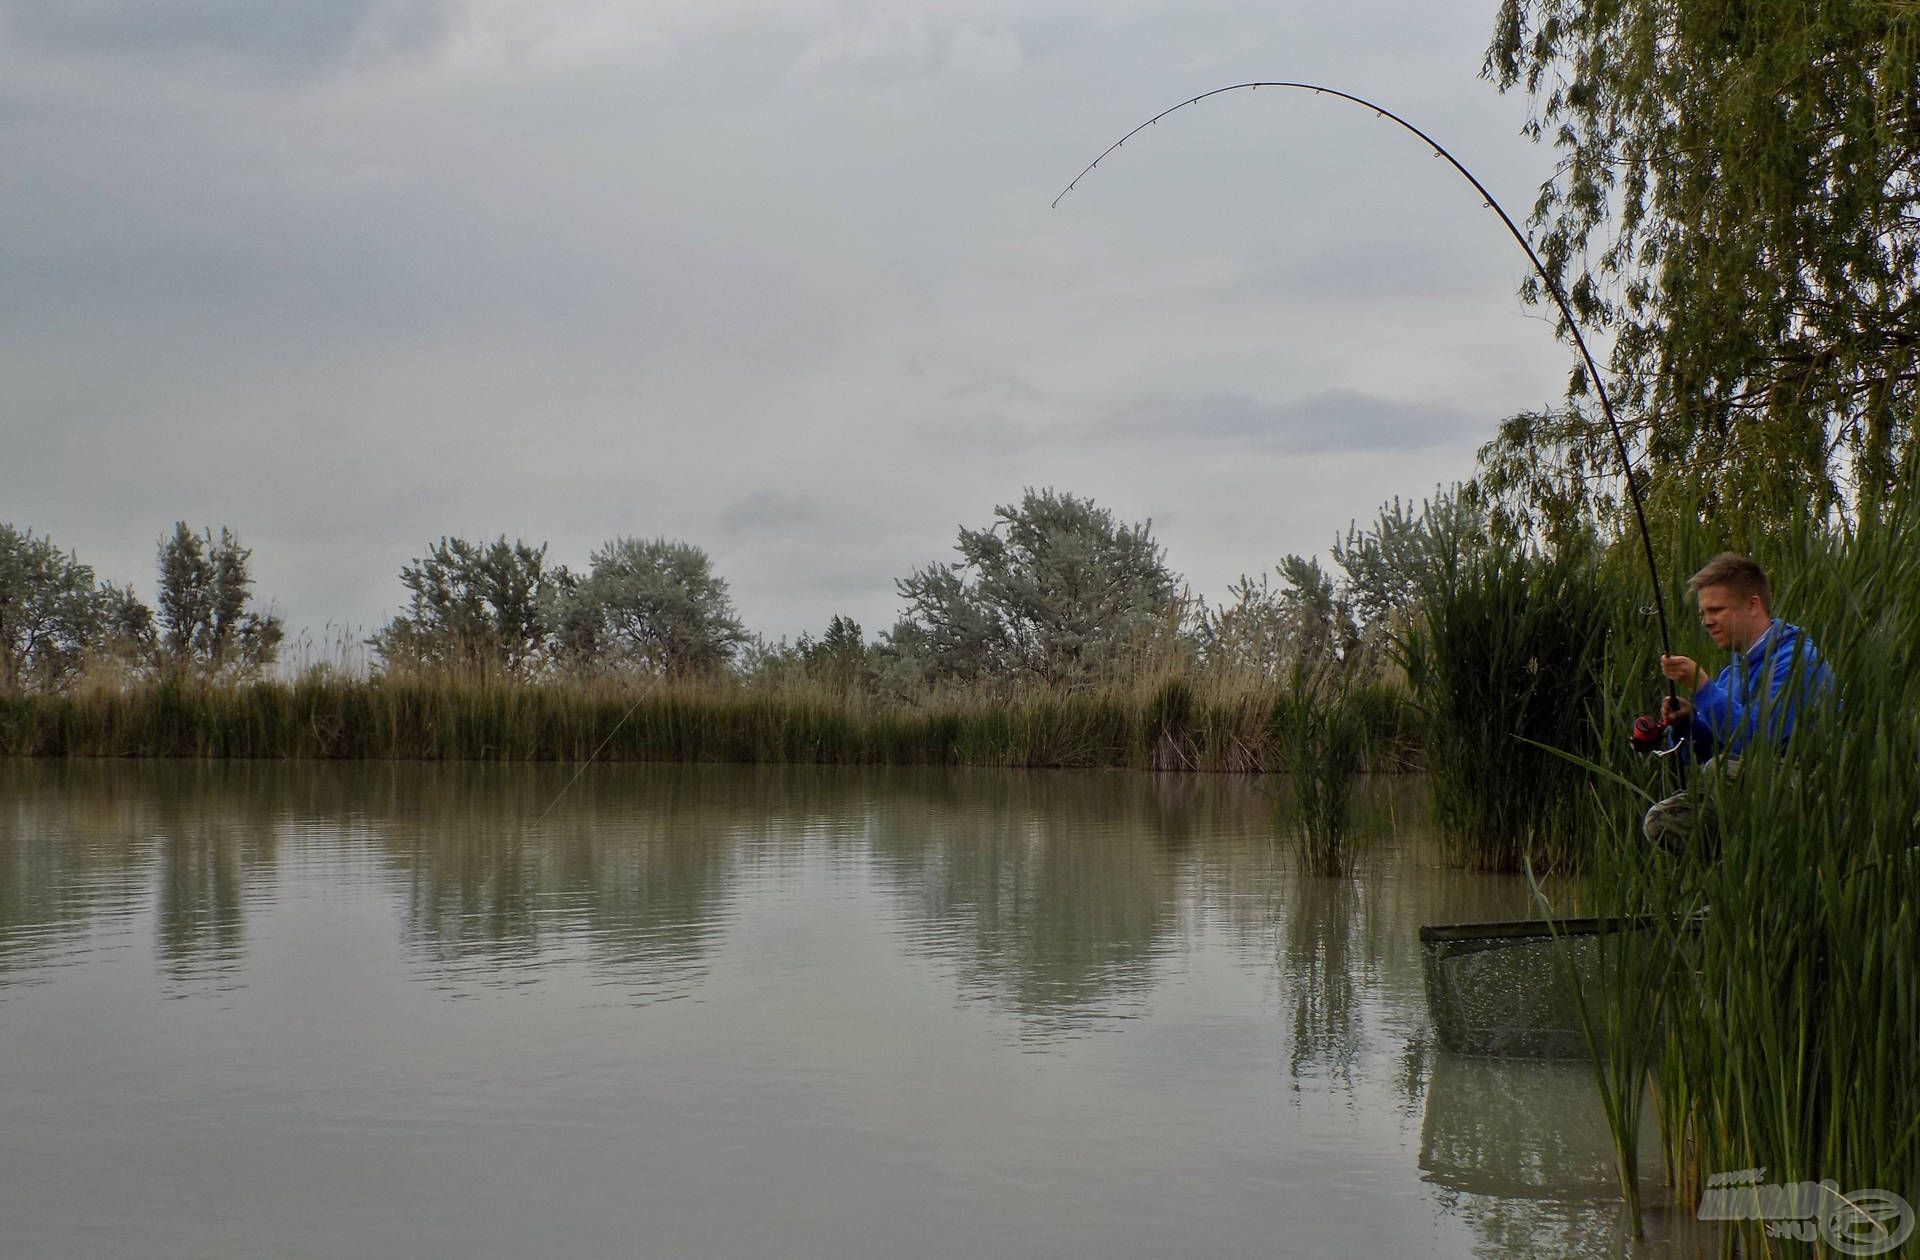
pixel 1731 621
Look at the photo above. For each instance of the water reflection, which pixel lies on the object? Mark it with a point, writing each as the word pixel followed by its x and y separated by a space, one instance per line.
pixel 86 849
pixel 1053 895
pixel 1064 898
pixel 1056 911
pixel 630 875
pixel 1327 973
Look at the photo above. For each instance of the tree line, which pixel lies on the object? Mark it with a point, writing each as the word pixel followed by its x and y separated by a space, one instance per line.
pixel 57 620
pixel 1053 591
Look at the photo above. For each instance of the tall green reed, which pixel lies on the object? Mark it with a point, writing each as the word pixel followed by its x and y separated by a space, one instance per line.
pixel 1782 1031
pixel 1324 736
pixel 1166 722
pixel 1502 657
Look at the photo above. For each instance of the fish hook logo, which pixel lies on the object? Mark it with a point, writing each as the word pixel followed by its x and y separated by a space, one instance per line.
pixel 1860 1223
pixel 1868 1223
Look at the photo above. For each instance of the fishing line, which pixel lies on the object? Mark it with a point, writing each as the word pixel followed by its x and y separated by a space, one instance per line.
pixel 590 758
pixel 1486 200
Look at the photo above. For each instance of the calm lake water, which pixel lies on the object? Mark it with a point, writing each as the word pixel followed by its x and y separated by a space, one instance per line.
pixel 252 1010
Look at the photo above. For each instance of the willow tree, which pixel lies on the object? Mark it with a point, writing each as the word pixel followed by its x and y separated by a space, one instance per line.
pixel 1739 202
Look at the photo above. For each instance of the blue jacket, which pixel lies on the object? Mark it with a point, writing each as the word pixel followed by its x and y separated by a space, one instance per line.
pixel 1766 687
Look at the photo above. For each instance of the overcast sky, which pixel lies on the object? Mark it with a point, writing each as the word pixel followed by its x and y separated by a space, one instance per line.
pixel 778 277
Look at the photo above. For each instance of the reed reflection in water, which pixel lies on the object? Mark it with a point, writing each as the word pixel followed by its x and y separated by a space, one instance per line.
pixel 314 1009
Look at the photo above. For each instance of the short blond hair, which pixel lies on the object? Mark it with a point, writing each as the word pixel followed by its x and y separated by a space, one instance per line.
pixel 1738 574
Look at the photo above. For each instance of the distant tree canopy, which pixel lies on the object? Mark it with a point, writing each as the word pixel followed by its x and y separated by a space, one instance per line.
pixel 480 606
pixel 1341 620
pixel 654 605
pixel 1739 201
pixel 1054 591
pixel 1306 623
pixel 206 629
pixel 838 657
pixel 54 617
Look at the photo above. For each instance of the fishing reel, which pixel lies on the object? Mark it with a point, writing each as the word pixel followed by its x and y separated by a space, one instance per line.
pixel 1655 735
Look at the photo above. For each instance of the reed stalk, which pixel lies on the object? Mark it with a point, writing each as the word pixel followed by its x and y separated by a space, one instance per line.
pixel 1325 739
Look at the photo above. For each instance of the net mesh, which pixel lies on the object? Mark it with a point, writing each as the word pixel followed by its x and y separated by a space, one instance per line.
pixel 1510 997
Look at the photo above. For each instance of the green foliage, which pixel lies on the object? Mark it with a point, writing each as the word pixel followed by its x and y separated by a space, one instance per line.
pixel 1055 591
pixel 54 618
pixel 1324 736
pixel 840 661
pixel 458 715
pixel 1248 632
pixel 1736 200
pixel 1503 653
pixel 483 607
pixel 1791 1038
pixel 207 630
pixel 1305 623
pixel 901 662
pixel 655 606
pixel 838 657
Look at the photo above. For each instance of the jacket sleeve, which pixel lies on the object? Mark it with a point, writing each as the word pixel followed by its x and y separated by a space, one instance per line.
pixel 1733 718
pixel 1717 706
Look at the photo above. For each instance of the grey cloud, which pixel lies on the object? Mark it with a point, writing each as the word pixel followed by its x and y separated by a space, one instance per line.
pixel 579 270
pixel 294 37
pixel 1330 421
pixel 889 47
pixel 768 511
pixel 1355 268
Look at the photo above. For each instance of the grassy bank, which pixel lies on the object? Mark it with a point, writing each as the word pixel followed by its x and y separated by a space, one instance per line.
pixel 1164 724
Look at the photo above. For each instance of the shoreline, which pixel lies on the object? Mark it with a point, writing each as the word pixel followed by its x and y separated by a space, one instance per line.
pixel 1165 725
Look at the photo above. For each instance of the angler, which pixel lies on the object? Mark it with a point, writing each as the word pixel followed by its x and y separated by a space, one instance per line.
pixel 1775 673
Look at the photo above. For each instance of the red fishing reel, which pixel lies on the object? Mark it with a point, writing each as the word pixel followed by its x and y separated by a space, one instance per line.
pixel 1649 733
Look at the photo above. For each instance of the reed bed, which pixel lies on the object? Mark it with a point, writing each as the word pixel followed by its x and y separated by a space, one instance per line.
pixel 1326 743
pixel 1172 723
pixel 1775 1007
pixel 1504 657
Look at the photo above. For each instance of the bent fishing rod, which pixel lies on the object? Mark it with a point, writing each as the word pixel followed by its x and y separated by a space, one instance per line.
pixel 1520 238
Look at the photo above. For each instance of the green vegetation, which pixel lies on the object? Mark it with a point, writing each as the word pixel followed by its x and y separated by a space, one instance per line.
pixel 54 619
pixel 1325 739
pixel 1783 971
pixel 206 629
pixel 1505 661
pixel 645 607
pixel 57 626
pixel 1055 591
pixel 477 608
pixel 328 716
pixel 1735 200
